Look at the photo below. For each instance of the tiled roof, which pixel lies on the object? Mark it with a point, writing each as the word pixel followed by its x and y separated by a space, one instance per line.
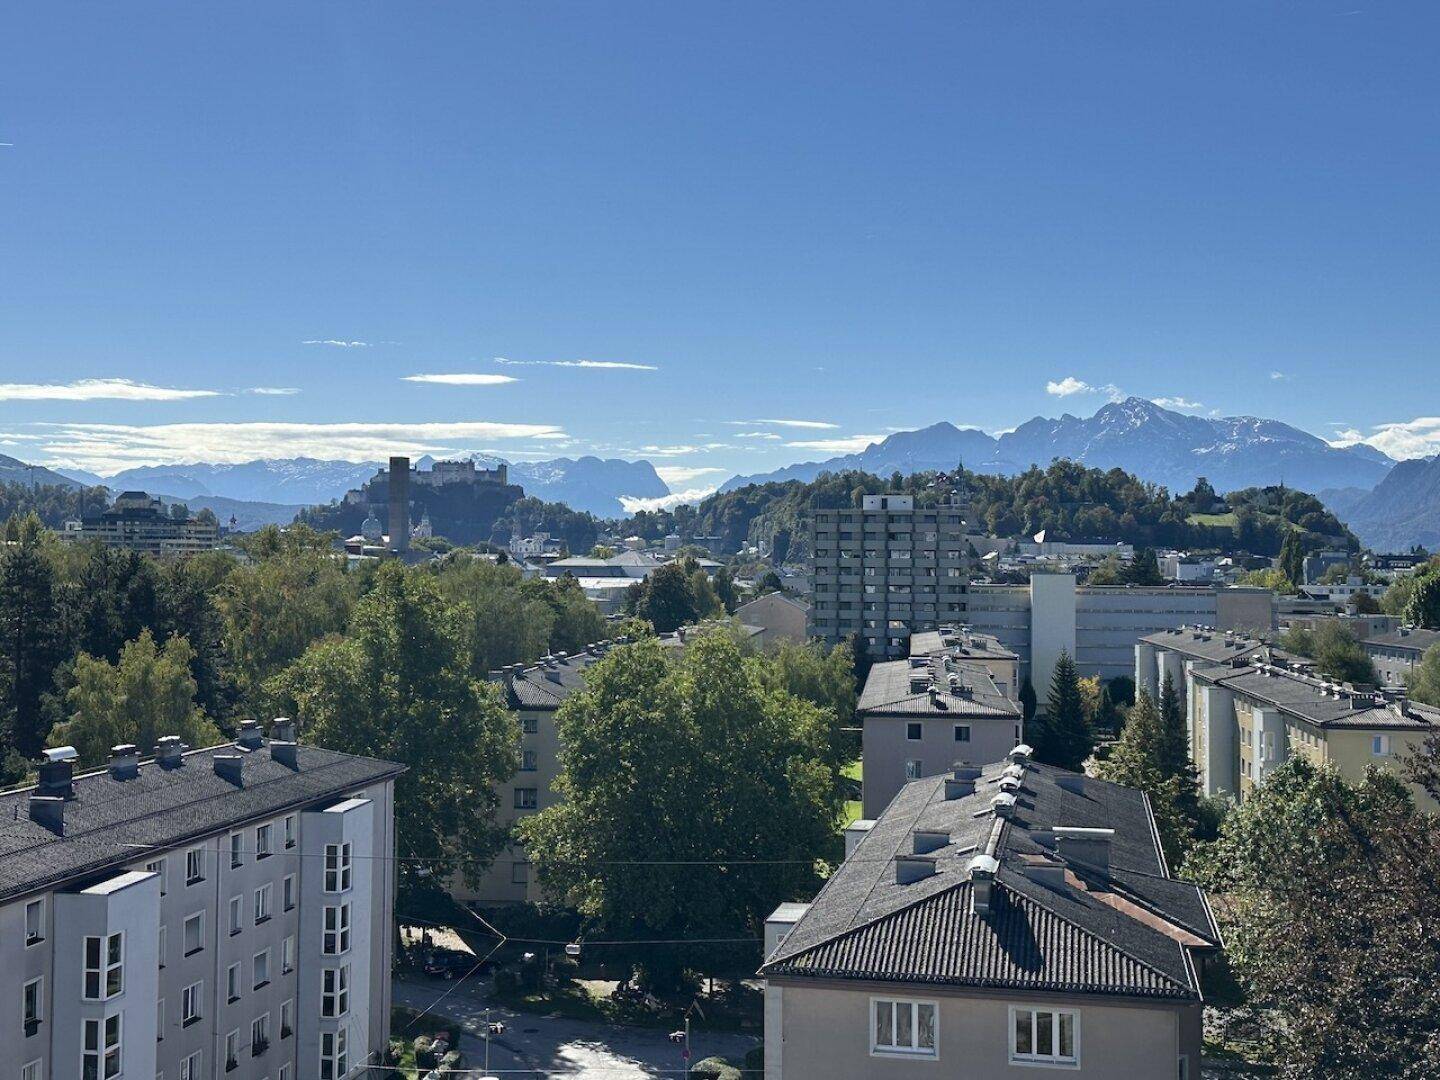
pixel 114 822
pixel 888 691
pixel 1126 930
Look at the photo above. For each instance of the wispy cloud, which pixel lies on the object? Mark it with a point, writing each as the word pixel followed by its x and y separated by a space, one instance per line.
pixel 817 425
pixel 464 378
pixel 674 449
pixel 1068 386
pixel 98 390
pixel 108 448
pixel 1177 403
pixel 683 474
pixel 634 505
pixel 338 343
pixel 849 444
pixel 1278 375
pixel 273 391
pixel 756 435
pixel 605 365
pixel 1404 439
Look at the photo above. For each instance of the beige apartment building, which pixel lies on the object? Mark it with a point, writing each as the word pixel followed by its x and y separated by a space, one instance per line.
pixel 990 922
pixel 886 569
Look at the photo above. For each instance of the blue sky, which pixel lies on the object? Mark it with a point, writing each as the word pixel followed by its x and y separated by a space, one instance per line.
pixel 863 216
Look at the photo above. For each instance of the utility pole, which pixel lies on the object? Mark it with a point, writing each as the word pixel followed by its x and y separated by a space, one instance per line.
pixel 497 1028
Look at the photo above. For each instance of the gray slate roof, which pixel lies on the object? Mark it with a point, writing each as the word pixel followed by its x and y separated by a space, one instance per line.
pixel 1120 934
pixel 1307 697
pixel 961 644
pixel 113 822
pixel 1413 639
pixel 888 692
pixel 1195 644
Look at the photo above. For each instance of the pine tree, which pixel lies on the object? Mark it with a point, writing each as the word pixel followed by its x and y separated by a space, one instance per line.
pixel 1065 736
pixel 30 637
pixel 1174 757
pixel 1292 558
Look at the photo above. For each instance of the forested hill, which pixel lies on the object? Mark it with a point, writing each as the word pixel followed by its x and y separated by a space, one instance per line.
pixel 1067 500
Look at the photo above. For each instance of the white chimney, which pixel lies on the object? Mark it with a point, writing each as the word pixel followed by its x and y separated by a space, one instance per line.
pixel 1087 847
pixel 982 870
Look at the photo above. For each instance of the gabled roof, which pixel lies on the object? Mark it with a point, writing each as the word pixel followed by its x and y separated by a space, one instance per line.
pixel 1126 930
pixel 1314 699
pixel 1409 638
pixel 1199 643
pixel 889 691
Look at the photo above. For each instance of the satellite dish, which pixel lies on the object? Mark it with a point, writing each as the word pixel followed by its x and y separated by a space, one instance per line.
pixel 1040 537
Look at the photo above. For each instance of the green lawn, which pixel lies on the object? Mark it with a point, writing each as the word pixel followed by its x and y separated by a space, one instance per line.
pixel 853 807
pixel 1227 519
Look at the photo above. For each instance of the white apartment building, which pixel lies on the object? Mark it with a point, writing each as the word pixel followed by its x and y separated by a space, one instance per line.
pixel 224 912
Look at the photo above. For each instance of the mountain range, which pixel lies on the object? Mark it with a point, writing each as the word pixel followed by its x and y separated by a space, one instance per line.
pixel 1154 443
pixel 587 483
pixel 1402 510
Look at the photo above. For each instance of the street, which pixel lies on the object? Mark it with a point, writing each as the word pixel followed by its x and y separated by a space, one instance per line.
pixel 535 1045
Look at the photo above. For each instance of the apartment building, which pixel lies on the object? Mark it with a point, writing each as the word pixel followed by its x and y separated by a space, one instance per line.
pixel 993 920
pixel 1176 651
pixel 138 522
pixel 1248 716
pixel 780 617
pixel 1398 653
pixel 885 570
pixel 225 912
pixel 1098 625
pixel 963 643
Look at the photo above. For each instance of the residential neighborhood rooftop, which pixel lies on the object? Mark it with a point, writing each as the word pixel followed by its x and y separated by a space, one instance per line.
pixel 933 685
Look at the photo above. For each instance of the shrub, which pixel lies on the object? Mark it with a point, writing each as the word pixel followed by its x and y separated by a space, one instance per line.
pixel 714 1068
pixel 755 1061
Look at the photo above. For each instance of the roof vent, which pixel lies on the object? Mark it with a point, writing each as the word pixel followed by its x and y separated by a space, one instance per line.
pixel 963 770
pixel 912 868
pixel 1021 754
pixel 56 772
pixel 982 870
pixel 1009 784
pixel 49 811
pixel 927 840
pixel 169 751
pixel 1003 805
pixel 229 766
pixel 1014 770
pixel 1046 872
pixel 124 761
pixel 250 737
pixel 1071 782
pixel 958 789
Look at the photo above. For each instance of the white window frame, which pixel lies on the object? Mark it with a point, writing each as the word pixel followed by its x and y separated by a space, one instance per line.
pixel 195 858
pixel 1054 1061
pixel 1383 743
pixel 232 983
pixel 232 1048
pixel 255 964
pixel 161 940
pixel 338 867
pixel 913 1051
pixel 335 1000
pixel 291 833
pixel 284 1071
pixel 33 1070
pixel 264 840
pixel 38 935
pixel 104 968
pixel 335 939
pixel 39 983
pixel 237 850
pixel 198 918
pixel 104 1049
pixel 914 769
pixel 287 955
pixel 287 1018
pixel 190 1068
pixel 157 867
pixel 334 1062
pixel 288 892
pixel 192 996
pixel 160 1020
pixel 916 726
pixel 966 729
pixel 237 914
pixel 526 798
pixel 260 1029
pixel 264 902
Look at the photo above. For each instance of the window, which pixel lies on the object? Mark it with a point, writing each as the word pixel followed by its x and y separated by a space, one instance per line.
pixel 1380 745
pixel 287 892
pixel 101 1057
pixel 262 902
pixel 158 867
pixel 35 922
pixel 1184 1071
pixel 31 997
pixel 190 1006
pixel 237 914
pixel 287 1019
pixel 1050 1036
pixel 32 1071
pixel 912 770
pixel 194 932
pixel 104 967
pixel 519 873
pixel 335 991
pixel 237 849
pixel 530 725
pixel 337 867
pixel 529 761
pixel 914 732
pixel 160 946
pixel 232 983
pixel 232 1050
pixel 194 866
pixel 284 1073
pixel 527 798
pixel 260 1034
pixel 962 732
pixel 160 1020
pixel 287 955
pixel 264 841
pixel 902 1027
pixel 190 1067
pixel 290 831
pixel 261 969
pixel 336 939
pixel 332 1055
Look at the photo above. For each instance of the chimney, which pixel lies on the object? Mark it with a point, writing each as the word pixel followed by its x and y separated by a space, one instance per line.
pixel 1087 847
pixel 282 728
pixel 912 868
pixel 56 773
pixel 250 737
pixel 124 761
pixel 924 841
pixel 228 767
pixel 1003 805
pixel 49 811
pixel 168 751
pixel 982 883
pixel 963 770
pixel 399 492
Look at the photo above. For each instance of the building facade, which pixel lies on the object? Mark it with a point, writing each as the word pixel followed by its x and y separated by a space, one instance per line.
pixel 225 912
pixel 886 569
pixel 992 921
pixel 138 522
pixel 1398 653
pixel 780 617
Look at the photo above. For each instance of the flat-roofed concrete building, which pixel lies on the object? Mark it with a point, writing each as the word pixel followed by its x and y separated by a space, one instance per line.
pixel 923 715
pixel 886 569
pixel 138 522
pixel 225 912
pixel 991 921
